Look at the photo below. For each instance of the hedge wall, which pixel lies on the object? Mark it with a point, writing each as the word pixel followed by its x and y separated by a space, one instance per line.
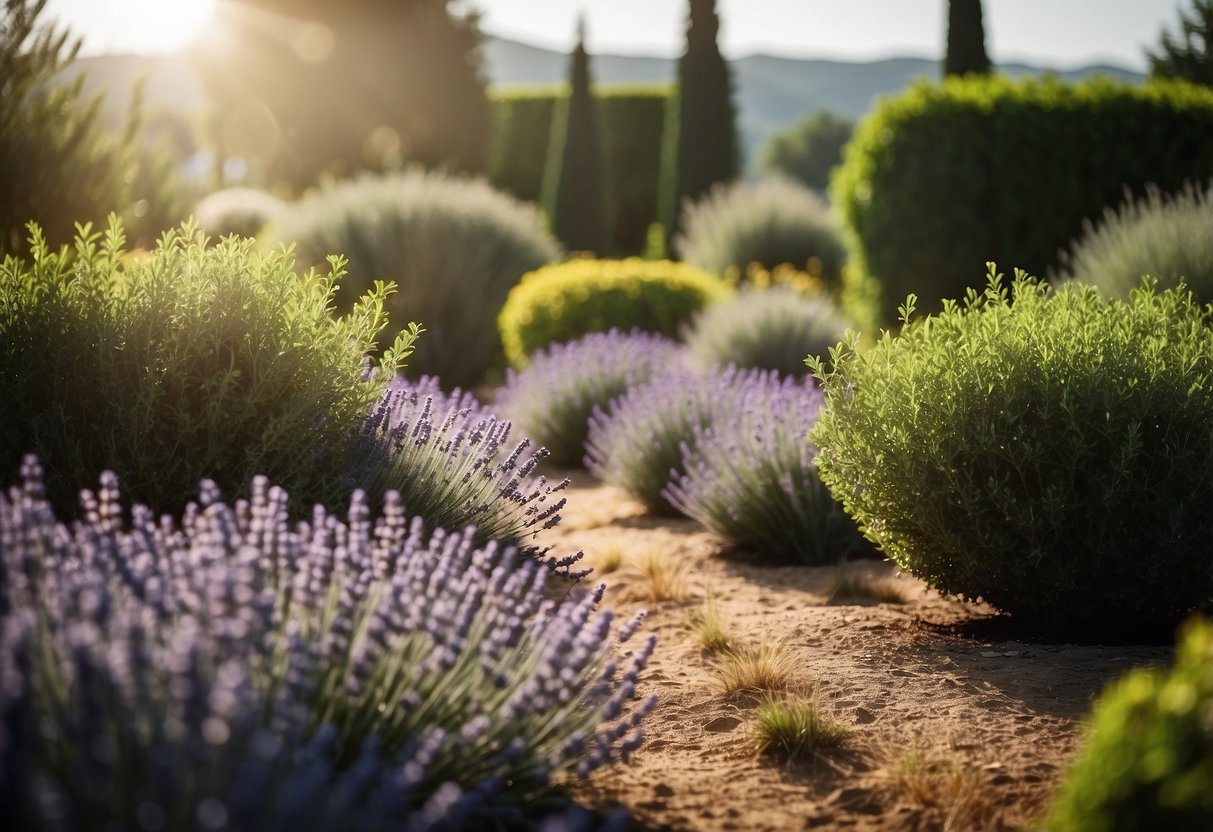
pixel 949 176
pixel 631 119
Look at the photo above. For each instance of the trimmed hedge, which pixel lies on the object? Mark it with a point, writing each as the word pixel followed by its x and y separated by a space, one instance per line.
pixel 948 176
pixel 565 301
pixel 631 120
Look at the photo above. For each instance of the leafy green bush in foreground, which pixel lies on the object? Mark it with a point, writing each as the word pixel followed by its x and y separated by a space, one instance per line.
pixel 1148 758
pixel 189 362
pixel 1048 451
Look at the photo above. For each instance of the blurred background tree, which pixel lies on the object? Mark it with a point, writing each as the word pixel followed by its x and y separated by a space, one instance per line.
pixel 702 141
pixel 573 188
pixel 966 51
pixel 1186 53
pixel 809 150
pixel 301 89
pixel 59 163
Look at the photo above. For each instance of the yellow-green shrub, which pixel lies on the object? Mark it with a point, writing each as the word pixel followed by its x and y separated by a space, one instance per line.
pixel 563 302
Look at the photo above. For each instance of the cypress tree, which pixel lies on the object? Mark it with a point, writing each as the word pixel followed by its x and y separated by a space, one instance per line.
pixel 1186 54
pixel 573 180
pixel 966 40
pixel 701 135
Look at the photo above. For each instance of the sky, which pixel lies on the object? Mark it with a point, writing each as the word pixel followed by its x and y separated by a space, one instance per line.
pixel 1056 33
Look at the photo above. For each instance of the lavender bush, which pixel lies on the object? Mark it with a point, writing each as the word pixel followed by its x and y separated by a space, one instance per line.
pixel 752 477
pixel 636 443
pixel 551 401
pixel 235 671
pixel 773 329
pixel 451 462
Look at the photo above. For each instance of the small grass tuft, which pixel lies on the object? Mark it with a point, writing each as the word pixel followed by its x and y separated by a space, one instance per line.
pixel 608 560
pixel 795 728
pixel 665 579
pixel 709 628
pixel 852 585
pixel 947 783
pixel 764 668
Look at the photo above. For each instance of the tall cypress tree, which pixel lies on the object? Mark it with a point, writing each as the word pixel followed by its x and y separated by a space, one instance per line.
pixel 701 135
pixel 966 40
pixel 1187 53
pixel 573 180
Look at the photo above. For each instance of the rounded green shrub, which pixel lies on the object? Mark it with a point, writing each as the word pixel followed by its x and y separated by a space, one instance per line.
pixel 771 222
pixel 240 211
pixel 1170 238
pixel 1147 762
pixel 455 247
pixel 185 363
pixel 566 301
pixel 946 176
pixel 1048 451
pixel 771 328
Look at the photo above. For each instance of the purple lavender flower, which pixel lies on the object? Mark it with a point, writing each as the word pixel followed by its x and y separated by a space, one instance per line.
pixel 552 399
pixel 752 479
pixel 238 670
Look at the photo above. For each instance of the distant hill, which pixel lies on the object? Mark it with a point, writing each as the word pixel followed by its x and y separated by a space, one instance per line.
pixel 771 92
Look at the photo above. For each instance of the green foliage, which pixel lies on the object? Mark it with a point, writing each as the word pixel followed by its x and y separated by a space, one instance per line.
pixel 769 328
pixel 1169 238
pixel 574 193
pixel 769 223
pixel 454 247
pixel 361 86
pixel 631 120
pixel 189 362
pixel 966 50
pixel 244 212
pixel 701 147
pixel 563 302
pixel 1185 54
pixel 58 162
pixel 1147 761
pixel 947 176
pixel 1048 451
pixel 795 728
pixel 808 151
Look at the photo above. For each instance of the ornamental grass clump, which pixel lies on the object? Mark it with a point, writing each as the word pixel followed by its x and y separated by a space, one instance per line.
pixel 1169 237
pixel 244 212
pixel 552 399
pixel 453 464
pixel 637 442
pixel 1049 451
pixel 454 246
pixel 770 222
pixel 234 670
pixel 752 477
pixel 772 329
pixel 1147 761
pixel 186 362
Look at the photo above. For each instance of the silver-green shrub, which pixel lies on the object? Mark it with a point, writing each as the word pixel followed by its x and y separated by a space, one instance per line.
pixel 190 362
pixel 772 329
pixel 244 212
pixel 454 247
pixel 1049 451
pixel 769 222
pixel 1168 237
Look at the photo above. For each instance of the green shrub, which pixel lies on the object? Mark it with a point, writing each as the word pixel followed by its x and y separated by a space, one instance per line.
pixel 770 328
pixel 631 120
pixel 1048 451
pixel 809 150
pixel 244 212
pixel 453 246
pixel 769 223
pixel 563 302
pixel 947 176
pixel 1169 238
pixel 186 363
pixel 1147 761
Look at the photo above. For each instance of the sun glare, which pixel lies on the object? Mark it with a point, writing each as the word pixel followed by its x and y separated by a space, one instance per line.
pixel 167 25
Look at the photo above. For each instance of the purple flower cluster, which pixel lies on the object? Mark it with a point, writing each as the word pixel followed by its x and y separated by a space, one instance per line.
pixel 752 477
pixel 235 670
pixel 636 443
pixel 552 400
pixel 451 462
